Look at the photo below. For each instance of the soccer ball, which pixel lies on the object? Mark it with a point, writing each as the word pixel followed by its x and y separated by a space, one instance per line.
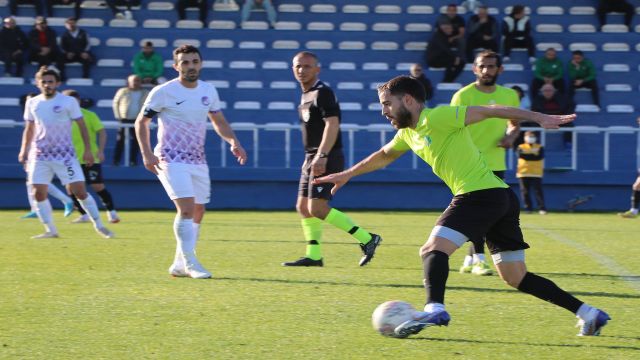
pixel 388 315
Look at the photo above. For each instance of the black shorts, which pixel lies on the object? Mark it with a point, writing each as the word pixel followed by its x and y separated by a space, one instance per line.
pixel 335 163
pixel 93 173
pixel 494 213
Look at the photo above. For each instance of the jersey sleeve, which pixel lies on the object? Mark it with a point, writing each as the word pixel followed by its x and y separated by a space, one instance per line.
pixel 154 102
pixel 327 103
pixel 96 124
pixel 447 117
pixel 398 143
pixel 74 109
pixel 215 105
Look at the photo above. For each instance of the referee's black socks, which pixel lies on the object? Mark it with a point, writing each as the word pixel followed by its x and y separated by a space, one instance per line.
pixel 547 290
pixel 436 271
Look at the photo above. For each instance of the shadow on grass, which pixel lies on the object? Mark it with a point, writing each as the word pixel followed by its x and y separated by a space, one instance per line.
pixel 546 345
pixel 603 276
pixel 414 286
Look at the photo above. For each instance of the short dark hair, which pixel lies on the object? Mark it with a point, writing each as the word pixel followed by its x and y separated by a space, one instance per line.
pixel 401 85
pixel 578 52
pixel 185 49
pixel 71 19
pixel 148 43
pixel 44 71
pixel 517 9
pixel 489 54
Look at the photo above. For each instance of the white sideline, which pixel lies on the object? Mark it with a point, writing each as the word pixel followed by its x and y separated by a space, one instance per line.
pixel 630 278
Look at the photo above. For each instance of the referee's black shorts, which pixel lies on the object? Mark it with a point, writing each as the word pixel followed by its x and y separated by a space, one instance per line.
pixel 494 212
pixel 93 173
pixel 335 163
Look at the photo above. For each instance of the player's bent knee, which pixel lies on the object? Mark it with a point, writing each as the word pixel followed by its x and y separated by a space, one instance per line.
pixel 511 266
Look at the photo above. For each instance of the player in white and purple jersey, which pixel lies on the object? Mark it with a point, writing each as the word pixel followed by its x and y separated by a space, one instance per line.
pixel 183 106
pixel 47 150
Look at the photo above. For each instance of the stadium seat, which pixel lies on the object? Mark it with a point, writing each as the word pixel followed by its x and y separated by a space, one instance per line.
pixel 617 47
pixel 110 63
pixel 105 103
pixel 420 9
pixel 582 28
pixel 448 86
pixel 79 82
pixel 350 106
pixel 587 108
pixel 352 45
pixel 160 6
pixel 283 85
pixel 189 24
pixel 246 105
pixel 11 81
pixel 209 64
pixel 543 46
pixel 180 42
pixel 353 26
pixel 615 28
pixel 281 105
pixel 123 23
pixel 615 68
pixel 415 46
pixel 242 64
pixel 113 82
pixel 251 45
pixel 275 65
pixel 255 25
pixel 355 9
pixel 550 10
pixel 549 28
pixel 618 87
pixel 90 22
pixel 285 44
pixel 290 8
pixel 417 27
pixel 620 108
pixel 388 9
pixel 350 85
pixel 156 24
pixel 342 66
pixel 375 66
pixel 157 42
pixel 582 46
pixel 582 10
pixel 320 26
pixel 119 42
pixel 219 84
pixel 6 101
pixel 322 8
pixel 219 44
pixel 384 45
pixel 249 84
pixel 288 25
pixel 222 25
pixel 319 45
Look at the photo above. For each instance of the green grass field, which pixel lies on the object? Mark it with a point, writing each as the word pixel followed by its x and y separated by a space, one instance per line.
pixel 84 297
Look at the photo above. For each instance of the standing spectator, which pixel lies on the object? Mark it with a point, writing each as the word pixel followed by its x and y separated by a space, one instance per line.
pixel 582 73
pixel 483 32
pixel 443 53
pixel 516 30
pixel 13 44
pixel 553 103
pixel 416 72
pixel 548 71
pixel 127 104
pixel 127 14
pixel 75 47
pixel 43 46
pixel 257 4
pixel 607 6
pixel 202 5
pixel 530 171
pixel 147 64
pixel 92 172
pixel 457 39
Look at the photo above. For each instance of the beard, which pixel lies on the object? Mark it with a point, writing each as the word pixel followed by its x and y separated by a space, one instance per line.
pixel 488 82
pixel 402 118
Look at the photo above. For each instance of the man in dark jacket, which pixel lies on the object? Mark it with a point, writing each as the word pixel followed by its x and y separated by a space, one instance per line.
pixel 483 32
pixel 13 44
pixel 443 53
pixel 551 102
pixel 75 47
pixel 42 44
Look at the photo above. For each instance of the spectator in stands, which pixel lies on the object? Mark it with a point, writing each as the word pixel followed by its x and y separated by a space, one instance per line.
pixel 451 16
pixel 483 32
pixel 548 71
pixel 525 101
pixel 607 6
pixel 202 5
pixel 416 72
pixel 127 4
pixel 553 103
pixel 75 47
pixel 516 30
pixel 148 65
pixel 13 45
pixel 267 5
pixel 92 172
pixel 443 53
pixel 43 46
pixel 582 73
pixel 530 171
pixel 127 104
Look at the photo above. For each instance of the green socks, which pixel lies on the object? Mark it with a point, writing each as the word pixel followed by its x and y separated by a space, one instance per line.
pixel 312 229
pixel 343 222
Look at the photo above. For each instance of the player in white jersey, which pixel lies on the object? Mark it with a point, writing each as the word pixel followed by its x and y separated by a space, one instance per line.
pixel 183 106
pixel 47 150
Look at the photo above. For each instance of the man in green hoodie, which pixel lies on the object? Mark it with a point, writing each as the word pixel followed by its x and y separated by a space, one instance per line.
pixel 582 73
pixel 548 71
pixel 147 64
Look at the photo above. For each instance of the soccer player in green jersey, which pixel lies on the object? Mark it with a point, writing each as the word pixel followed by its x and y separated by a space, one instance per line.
pixel 482 202
pixel 492 136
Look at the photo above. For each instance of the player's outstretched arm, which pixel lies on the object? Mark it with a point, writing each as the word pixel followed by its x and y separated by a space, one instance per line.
pixel 478 113
pixel 151 162
pixel 379 159
pixel 221 126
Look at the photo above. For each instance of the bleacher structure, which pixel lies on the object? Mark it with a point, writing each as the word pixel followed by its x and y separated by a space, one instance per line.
pixel 361 44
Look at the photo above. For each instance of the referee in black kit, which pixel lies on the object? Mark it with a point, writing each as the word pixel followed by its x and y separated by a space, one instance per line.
pixel 319 113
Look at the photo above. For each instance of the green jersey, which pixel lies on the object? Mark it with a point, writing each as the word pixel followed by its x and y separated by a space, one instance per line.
pixel 93 124
pixel 488 133
pixel 442 140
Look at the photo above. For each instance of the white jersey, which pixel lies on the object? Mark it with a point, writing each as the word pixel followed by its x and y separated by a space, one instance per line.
pixel 52 117
pixel 182 120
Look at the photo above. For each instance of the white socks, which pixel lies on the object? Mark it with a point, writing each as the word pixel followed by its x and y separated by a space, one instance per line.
pixel 58 194
pixel 468 261
pixel 634 211
pixel 477 258
pixel 43 209
pixel 89 205
pixel 31 197
pixel 433 307
pixel 585 312
pixel 185 236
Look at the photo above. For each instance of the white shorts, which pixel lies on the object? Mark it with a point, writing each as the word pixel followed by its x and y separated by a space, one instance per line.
pixel 42 172
pixel 186 180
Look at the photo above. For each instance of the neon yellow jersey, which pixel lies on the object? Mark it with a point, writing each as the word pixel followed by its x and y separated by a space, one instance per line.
pixel 442 140
pixel 488 133
pixel 93 124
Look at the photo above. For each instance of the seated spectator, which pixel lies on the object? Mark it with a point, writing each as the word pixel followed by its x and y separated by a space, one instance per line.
pixel 148 65
pixel 483 32
pixel 202 5
pixel 75 47
pixel 548 71
pixel 127 14
pixel 582 73
pixel 43 45
pixel 622 6
pixel 127 104
pixel 443 53
pixel 416 72
pixel 516 30
pixel 13 45
pixel 553 103
pixel 458 25
pixel 259 4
